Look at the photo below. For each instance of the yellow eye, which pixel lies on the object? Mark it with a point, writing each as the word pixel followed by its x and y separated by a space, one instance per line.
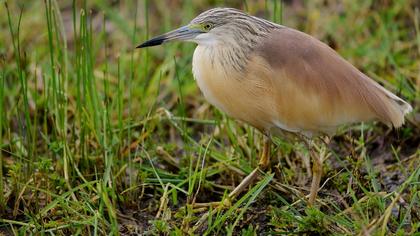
pixel 207 26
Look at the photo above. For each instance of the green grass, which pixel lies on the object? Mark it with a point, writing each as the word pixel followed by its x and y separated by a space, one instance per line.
pixel 99 138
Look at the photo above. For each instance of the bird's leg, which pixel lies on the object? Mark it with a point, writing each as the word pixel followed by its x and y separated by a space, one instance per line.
pixel 316 176
pixel 265 155
pixel 317 159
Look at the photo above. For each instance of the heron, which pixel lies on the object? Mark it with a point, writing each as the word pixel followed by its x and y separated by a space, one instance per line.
pixel 280 81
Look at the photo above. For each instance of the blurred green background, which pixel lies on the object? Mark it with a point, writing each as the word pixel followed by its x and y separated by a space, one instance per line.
pixel 97 137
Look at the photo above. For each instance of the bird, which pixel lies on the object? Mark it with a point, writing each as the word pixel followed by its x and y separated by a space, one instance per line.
pixel 280 81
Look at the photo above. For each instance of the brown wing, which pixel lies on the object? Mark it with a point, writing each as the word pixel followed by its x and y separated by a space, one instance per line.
pixel 317 90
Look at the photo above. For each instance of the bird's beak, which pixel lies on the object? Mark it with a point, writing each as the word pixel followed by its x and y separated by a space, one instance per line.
pixel 184 33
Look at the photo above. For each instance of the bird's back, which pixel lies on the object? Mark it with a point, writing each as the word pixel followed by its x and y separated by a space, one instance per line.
pixel 316 90
pixel 294 82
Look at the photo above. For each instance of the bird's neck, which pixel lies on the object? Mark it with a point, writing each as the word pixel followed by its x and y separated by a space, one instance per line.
pixel 227 54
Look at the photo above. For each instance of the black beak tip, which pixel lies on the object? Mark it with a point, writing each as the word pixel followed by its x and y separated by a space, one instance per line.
pixel 141 46
pixel 152 42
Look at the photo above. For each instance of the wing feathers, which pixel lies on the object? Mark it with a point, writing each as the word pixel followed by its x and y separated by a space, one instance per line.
pixel 394 107
pixel 323 80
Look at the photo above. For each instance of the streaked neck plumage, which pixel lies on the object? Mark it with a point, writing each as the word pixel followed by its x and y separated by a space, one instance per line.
pixel 232 43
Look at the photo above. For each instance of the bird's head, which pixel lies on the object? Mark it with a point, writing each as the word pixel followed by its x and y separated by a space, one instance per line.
pixel 217 25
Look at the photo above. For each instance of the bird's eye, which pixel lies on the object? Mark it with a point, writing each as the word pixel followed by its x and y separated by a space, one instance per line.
pixel 207 26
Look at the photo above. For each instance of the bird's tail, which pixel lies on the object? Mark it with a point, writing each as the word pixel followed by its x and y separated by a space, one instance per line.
pixel 394 108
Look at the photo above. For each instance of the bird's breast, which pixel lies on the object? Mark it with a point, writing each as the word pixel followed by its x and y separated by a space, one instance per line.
pixel 208 77
pixel 241 94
